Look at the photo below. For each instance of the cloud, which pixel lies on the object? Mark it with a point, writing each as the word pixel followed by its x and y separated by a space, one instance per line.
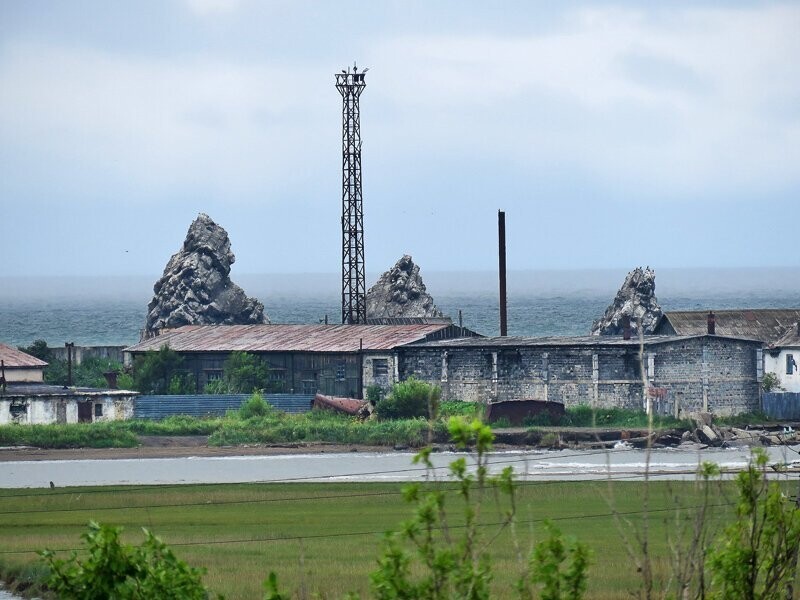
pixel 205 8
pixel 195 120
pixel 684 102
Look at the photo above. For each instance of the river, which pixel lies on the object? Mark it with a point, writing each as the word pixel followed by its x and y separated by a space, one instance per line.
pixel 564 465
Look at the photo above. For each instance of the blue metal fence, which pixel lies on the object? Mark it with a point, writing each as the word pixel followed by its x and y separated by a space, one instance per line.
pixel 160 407
pixel 781 405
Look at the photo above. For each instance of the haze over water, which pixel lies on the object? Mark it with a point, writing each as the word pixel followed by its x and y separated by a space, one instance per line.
pixel 111 310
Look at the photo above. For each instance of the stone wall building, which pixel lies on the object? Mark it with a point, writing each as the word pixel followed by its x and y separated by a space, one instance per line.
pixel 684 374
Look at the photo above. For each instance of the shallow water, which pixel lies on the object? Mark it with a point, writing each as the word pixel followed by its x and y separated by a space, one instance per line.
pixel 562 465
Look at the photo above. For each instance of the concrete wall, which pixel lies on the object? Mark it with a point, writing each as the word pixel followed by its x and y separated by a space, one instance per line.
pixel 715 374
pixel 115 406
pixel 81 353
pixel 776 363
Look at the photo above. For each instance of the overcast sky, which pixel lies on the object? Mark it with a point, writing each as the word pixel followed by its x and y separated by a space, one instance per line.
pixel 612 134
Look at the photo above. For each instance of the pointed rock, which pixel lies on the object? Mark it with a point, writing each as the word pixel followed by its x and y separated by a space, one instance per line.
pixel 637 299
pixel 400 292
pixel 196 289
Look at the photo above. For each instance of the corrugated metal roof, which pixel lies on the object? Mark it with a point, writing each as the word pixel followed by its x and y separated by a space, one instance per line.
pixel 14 358
pixel 575 341
pixel 287 338
pixel 790 338
pixel 765 324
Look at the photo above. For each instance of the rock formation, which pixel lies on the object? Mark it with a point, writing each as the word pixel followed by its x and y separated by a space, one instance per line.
pixel 400 293
pixel 637 299
pixel 196 289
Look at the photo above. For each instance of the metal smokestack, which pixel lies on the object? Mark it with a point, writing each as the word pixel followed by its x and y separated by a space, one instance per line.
pixel 712 323
pixel 501 239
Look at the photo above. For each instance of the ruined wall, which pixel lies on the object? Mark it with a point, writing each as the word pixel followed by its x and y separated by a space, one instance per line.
pixel 715 374
pixel 81 353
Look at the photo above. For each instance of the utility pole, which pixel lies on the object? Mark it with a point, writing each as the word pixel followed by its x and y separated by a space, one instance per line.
pixel 350 84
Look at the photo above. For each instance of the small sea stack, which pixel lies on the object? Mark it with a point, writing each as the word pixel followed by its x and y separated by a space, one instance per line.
pixel 637 300
pixel 196 288
pixel 400 292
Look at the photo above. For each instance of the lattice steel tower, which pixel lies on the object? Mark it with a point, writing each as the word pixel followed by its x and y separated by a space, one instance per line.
pixel 350 84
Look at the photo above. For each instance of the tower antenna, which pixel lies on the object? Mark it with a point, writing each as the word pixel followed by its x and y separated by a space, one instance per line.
pixel 354 295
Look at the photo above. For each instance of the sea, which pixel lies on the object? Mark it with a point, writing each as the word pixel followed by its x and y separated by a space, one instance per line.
pixel 111 310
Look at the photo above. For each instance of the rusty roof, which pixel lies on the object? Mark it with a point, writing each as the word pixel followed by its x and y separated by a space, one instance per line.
pixel 593 341
pixel 287 338
pixel 765 324
pixel 13 358
pixel 790 338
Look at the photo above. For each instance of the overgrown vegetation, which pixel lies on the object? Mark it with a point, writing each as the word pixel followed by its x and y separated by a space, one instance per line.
pixel 74 435
pixel 410 399
pixel 90 373
pixel 244 373
pixel 771 382
pixel 430 559
pixel 324 426
pixel 756 555
pixel 111 569
pixel 161 372
pixel 587 416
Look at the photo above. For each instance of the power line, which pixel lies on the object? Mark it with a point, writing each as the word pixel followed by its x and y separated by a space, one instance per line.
pixel 373 532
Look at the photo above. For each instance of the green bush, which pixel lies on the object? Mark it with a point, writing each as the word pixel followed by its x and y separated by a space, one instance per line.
pixel 409 399
pixel 111 569
pixel 374 393
pixel 159 372
pixel 255 406
pixel 243 373
pixel 459 408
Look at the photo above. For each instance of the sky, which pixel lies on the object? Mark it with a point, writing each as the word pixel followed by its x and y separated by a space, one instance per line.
pixel 613 134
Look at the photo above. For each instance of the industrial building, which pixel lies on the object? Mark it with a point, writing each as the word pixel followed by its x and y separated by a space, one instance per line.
pixel 681 374
pixel 336 360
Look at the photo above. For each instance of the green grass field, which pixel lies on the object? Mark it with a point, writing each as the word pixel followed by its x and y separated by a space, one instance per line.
pixel 325 538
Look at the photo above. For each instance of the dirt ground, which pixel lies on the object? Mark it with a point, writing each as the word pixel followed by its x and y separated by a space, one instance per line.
pixel 159 446
pixel 176 447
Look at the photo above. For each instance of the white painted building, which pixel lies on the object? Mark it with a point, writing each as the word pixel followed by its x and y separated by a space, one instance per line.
pixel 39 403
pixel 783 357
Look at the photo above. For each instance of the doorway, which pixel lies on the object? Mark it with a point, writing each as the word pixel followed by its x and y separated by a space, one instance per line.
pixel 84 412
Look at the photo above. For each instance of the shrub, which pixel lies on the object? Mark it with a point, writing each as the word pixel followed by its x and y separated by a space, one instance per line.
pixel 374 393
pixel 112 569
pixel 254 406
pixel 771 382
pixel 154 372
pixel 408 399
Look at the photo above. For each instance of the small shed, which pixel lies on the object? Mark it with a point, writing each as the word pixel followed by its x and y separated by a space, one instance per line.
pixel 17 366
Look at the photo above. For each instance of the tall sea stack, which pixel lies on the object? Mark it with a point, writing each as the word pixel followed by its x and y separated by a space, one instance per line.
pixel 400 292
pixel 196 289
pixel 635 299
